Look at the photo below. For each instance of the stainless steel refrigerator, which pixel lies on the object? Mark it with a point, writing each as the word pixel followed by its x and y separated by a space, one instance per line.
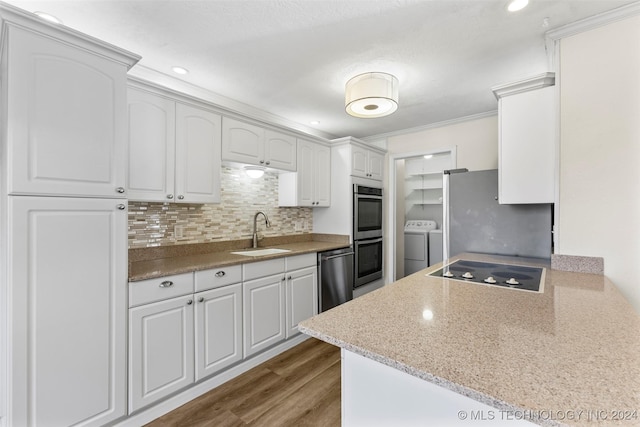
pixel 474 221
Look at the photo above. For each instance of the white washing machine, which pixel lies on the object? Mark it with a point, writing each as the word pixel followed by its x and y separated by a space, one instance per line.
pixel 416 245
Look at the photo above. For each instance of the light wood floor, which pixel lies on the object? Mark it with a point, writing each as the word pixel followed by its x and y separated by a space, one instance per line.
pixel 300 387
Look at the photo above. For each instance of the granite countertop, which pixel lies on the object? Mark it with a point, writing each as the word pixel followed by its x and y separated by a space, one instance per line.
pixel 150 263
pixel 574 347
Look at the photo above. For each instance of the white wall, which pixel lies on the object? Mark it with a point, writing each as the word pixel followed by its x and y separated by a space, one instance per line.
pixel 599 198
pixel 476 142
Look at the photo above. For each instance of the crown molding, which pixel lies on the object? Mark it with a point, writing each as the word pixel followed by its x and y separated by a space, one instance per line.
pixel 524 85
pixel 11 16
pixel 595 21
pixel 142 73
pixel 385 136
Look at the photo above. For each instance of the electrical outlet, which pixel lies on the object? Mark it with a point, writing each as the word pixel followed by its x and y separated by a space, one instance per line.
pixel 178 231
pixel 297 225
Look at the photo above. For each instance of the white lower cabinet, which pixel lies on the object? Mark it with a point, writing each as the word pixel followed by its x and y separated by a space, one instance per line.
pixel 187 327
pixel 264 314
pixel 218 327
pixel 274 305
pixel 301 296
pixel 161 350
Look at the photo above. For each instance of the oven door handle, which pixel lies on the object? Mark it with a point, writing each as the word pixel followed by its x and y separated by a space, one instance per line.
pixel 368 241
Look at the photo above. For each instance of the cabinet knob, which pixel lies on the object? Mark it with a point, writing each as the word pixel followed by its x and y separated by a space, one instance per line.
pixel 201 299
pixel 181 197
pixel 283 279
pixel 289 278
pixel 190 302
pixel 121 207
pixel 120 190
pixel 267 163
pixel 261 162
pixel 166 284
pixel 220 273
pixel 169 196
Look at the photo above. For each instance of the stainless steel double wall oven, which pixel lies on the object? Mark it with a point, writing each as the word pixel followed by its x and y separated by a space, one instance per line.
pixel 367 234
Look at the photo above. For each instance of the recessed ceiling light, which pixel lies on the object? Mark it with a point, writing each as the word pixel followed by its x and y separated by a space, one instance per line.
pixel 516 5
pixel 314 122
pixel 180 70
pixel 48 17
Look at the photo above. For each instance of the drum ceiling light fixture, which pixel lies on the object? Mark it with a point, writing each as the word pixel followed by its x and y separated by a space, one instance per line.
pixel 371 95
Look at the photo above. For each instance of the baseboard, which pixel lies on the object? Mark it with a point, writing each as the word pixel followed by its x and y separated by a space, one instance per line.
pixel 151 413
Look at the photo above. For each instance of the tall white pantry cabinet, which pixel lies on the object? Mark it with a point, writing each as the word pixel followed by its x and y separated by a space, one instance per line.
pixel 63 212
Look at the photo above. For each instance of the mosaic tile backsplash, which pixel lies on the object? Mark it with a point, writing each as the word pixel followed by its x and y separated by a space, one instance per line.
pixel 162 224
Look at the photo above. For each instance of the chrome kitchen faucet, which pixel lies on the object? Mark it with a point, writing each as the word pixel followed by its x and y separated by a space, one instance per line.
pixel 267 223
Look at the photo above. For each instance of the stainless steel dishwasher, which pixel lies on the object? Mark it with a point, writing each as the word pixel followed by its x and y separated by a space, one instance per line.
pixel 335 271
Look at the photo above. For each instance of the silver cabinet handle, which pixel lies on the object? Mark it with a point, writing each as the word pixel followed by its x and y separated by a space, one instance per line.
pixel 181 197
pixel 220 273
pixel 190 302
pixel 169 196
pixel 121 207
pixel 166 284
pixel 201 299
pixel 120 190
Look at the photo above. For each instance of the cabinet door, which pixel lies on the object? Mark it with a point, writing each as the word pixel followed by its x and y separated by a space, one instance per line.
pixel 264 313
pixel 359 159
pixel 242 142
pixel 527 147
pixel 67 276
pixel 218 328
pixel 160 350
pixel 280 151
pixel 302 297
pixel 322 175
pixel 198 134
pixel 306 173
pixel 151 146
pixel 376 165
pixel 66 119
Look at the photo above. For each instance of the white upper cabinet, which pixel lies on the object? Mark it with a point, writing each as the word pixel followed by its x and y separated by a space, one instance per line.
pixel 250 144
pixel 65 115
pixel 311 185
pixel 197 155
pixel 280 151
pixel 527 141
pixel 366 163
pixel 174 150
pixel 152 124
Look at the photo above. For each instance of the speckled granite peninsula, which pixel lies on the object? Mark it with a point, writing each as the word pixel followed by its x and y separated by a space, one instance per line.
pixel 574 347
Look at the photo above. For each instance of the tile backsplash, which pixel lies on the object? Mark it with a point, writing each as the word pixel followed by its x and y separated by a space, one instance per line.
pixel 162 224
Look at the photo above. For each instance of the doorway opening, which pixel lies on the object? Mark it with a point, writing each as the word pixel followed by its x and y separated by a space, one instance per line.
pixel 415 184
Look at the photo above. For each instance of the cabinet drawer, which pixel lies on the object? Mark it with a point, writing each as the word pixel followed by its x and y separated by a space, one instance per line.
pixel 151 290
pixel 216 277
pixel 302 261
pixel 254 270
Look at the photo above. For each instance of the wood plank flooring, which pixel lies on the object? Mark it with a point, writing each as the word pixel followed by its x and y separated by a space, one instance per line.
pixel 300 387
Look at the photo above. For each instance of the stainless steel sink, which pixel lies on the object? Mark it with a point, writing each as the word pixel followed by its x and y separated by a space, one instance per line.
pixel 261 252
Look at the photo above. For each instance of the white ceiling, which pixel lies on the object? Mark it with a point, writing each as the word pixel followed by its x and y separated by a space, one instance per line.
pixel 292 58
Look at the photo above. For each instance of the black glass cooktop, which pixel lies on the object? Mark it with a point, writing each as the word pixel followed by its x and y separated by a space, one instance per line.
pixel 504 275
